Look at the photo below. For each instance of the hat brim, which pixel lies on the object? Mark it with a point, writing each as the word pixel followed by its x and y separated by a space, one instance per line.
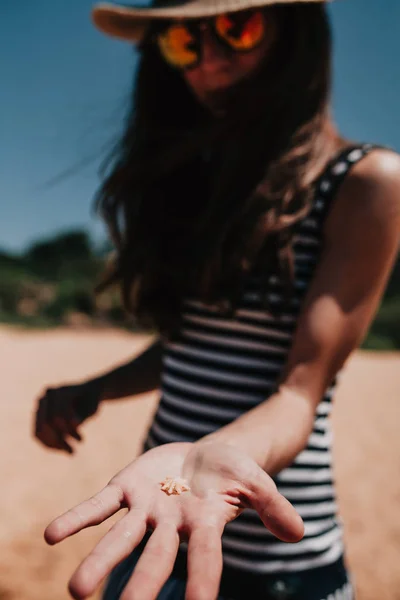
pixel 131 23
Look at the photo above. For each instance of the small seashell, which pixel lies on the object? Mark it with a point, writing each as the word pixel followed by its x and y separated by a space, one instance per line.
pixel 174 486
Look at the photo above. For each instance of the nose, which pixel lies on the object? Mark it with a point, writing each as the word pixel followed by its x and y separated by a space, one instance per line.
pixel 212 52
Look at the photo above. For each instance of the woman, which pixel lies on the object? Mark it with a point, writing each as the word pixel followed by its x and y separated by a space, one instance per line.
pixel 258 241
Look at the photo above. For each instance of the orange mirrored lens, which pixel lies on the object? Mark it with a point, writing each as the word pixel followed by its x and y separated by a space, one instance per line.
pixel 242 32
pixel 177 46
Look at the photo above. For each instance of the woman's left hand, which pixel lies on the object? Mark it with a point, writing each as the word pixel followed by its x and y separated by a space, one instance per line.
pixel 223 481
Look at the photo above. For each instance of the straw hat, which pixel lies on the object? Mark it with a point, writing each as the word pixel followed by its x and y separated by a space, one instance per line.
pixel 131 22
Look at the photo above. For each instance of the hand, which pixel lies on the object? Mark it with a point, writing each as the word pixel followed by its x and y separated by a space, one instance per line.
pixel 61 410
pixel 223 481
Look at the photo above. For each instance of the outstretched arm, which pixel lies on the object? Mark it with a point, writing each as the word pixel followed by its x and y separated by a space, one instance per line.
pixel 228 470
pixel 361 244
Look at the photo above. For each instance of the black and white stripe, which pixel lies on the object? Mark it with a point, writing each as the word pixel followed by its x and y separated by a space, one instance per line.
pixel 221 367
pixel 344 593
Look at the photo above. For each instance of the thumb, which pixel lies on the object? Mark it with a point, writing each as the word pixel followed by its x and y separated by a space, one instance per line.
pixel 276 512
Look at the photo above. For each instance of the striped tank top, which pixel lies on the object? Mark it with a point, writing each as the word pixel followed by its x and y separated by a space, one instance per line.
pixel 218 368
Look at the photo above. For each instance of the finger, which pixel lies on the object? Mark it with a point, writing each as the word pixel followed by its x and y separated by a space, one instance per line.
pixel 52 414
pixel 63 444
pixel 59 418
pixel 57 414
pixel 155 564
pixel 277 514
pixel 63 426
pixel 44 430
pixel 53 439
pixel 74 423
pixel 204 563
pixel 75 434
pixel 90 512
pixel 116 545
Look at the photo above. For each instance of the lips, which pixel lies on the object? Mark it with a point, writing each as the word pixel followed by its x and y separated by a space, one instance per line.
pixel 218 79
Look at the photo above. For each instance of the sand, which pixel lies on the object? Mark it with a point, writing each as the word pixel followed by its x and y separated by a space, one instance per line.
pixel 38 484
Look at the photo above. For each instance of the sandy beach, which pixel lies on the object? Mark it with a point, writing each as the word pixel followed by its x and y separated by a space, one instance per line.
pixel 38 484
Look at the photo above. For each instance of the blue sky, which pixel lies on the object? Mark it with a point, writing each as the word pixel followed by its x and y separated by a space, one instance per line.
pixel 64 89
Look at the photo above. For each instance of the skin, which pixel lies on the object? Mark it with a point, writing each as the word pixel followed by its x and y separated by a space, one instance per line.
pixel 221 68
pixel 62 410
pixel 231 469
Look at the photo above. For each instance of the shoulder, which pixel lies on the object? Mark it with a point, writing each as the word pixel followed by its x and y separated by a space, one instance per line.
pixel 369 196
pixel 378 173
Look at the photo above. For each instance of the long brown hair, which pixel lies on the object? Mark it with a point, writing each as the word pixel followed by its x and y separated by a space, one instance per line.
pixel 193 202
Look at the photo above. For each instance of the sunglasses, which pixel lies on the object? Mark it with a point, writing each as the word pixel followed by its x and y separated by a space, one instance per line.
pixel 180 43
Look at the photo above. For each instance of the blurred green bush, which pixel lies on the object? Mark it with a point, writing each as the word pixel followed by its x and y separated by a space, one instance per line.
pixel 52 284
pixel 384 334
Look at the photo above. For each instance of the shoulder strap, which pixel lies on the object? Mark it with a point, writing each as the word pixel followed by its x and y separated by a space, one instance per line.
pixel 334 174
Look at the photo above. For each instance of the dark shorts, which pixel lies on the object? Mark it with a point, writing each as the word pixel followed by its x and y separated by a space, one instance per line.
pixel 324 583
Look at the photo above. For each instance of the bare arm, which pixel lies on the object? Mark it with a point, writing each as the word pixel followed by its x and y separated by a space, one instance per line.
pixel 361 243
pixel 362 238
pixel 140 375
pixel 61 410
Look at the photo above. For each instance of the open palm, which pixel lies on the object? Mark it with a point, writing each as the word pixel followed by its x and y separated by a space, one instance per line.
pixel 223 481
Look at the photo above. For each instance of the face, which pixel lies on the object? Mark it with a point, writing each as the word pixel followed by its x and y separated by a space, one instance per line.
pixel 220 64
pixel 221 67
